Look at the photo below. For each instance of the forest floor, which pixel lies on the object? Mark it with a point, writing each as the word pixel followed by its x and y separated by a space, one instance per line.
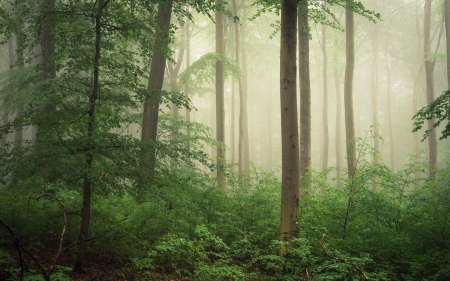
pixel 97 267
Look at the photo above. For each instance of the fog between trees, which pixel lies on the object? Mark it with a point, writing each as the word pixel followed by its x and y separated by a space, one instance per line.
pixel 163 103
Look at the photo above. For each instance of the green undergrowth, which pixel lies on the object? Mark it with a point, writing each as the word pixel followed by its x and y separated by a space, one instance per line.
pixel 389 226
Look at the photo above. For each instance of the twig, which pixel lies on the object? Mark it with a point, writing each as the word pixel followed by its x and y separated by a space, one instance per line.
pixel 21 245
pixel 341 259
pixel 86 240
pixel 63 232
pixel 20 261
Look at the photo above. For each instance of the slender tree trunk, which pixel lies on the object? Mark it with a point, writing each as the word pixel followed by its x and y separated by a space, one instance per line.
pixel 155 82
pixel 416 85
pixel 269 135
pixel 87 178
pixel 48 46
pixel 374 90
pixel 245 124
pixel 305 93
pixel 389 114
pixel 339 157
pixel 188 64
pixel 220 103
pixel 326 138
pixel 233 122
pixel 348 89
pixel 18 134
pixel 173 73
pixel 429 67
pixel 5 114
pixel 447 38
pixel 289 126
pixel 242 100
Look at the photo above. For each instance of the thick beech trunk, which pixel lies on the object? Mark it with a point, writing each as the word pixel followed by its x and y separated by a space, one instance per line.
pixel 155 82
pixel 429 68
pixel 289 126
pixel 305 93
pixel 348 90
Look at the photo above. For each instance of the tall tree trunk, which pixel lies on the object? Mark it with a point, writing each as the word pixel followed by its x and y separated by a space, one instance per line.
pixel 242 100
pixel 18 134
pixel 173 73
pixel 337 86
pixel 348 89
pixel 289 124
pixel 48 45
pixel 245 124
pixel 374 89
pixel 416 74
pixel 429 67
pixel 233 122
pixel 220 103
pixel 305 93
pixel 91 126
pixel 269 135
pixel 5 114
pixel 155 82
pixel 389 113
pixel 447 38
pixel 326 138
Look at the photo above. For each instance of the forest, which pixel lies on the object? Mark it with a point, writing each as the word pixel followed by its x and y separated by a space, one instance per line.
pixel 224 140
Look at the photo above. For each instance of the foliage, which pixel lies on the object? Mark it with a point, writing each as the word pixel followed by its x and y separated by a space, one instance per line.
pixel 203 70
pixel 317 12
pixel 439 109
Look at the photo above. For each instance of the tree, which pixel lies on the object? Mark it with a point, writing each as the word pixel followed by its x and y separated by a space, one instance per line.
pixel 305 92
pixel 337 86
pixel 48 44
pixel 155 82
pixel 326 138
pixel 429 68
pixel 289 126
pixel 220 102
pixel 447 38
pixel 374 89
pixel 242 99
pixel 348 88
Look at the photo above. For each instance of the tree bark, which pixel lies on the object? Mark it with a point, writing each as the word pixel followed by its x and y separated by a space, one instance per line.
pixel 242 100
pixel 389 113
pixel 5 114
pixel 48 46
pixel 18 134
pixel 337 85
pixel 245 124
pixel 447 38
pixel 87 178
pixel 155 82
pixel 305 93
pixel 429 68
pixel 416 85
pixel 374 89
pixel 289 126
pixel 348 89
pixel 220 103
pixel 326 138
